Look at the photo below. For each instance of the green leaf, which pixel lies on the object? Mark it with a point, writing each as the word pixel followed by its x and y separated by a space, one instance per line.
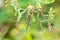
pixel 47 1
pixel 51 14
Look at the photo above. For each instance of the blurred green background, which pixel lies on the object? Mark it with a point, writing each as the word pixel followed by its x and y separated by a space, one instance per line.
pixel 10 29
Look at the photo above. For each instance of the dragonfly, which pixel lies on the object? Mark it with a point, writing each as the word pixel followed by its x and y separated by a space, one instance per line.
pixel 38 8
pixel 30 9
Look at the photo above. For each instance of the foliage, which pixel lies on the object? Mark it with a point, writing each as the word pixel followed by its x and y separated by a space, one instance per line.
pixel 30 20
